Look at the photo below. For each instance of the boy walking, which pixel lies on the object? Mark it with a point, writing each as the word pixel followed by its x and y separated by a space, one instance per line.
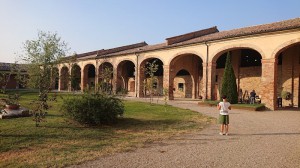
pixel 224 107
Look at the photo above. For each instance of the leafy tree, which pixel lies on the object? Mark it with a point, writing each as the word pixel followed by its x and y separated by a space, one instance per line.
pixel 229 87
pixel 105 76
pixel 42 55
pixel 150 69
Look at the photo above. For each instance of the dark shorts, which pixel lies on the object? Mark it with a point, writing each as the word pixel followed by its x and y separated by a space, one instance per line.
pixel 223 119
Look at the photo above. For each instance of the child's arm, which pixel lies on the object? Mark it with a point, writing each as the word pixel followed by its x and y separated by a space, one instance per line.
pixel 218 107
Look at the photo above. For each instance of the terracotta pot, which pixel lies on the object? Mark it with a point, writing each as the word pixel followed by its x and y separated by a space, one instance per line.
pixel 12 106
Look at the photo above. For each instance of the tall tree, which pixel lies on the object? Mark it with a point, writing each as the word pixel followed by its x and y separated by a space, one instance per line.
pixel 42 55
pixel 151 80
pixel 229 87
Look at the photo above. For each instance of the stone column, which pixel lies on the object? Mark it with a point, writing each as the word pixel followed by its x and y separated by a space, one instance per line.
pixel 268 83
pixel 68 78
pixel 114 80
pixel 211 74
pixel 141 77
pixel 136 80
pixel 59 79
pixel 166 81
pixel 96 77
pixel 83 79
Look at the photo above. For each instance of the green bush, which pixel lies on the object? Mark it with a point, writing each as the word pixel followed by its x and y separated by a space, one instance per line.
pixel 229 87
pixel 93 109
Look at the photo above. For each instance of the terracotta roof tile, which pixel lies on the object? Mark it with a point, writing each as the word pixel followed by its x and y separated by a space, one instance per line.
pixel 252 30
pixel 198 37
pixel 7 66
pixel 192 35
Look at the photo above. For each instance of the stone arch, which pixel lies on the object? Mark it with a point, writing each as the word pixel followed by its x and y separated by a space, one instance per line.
pixel 152 57
pixel 184 53
pixel 128 59
pixel 287 63
pixel 88 63
pixel 55 78
pixel 126 72
pixel 144 84
pixel 64 76
pixel 105 77
pixel 219 52
pixel 75 77
pixel 183 84
pixel 248 74
pixel 89 76
pixel 284 46
pixel 193 64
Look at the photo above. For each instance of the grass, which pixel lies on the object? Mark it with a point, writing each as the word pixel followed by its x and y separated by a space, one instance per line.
pixel 252 107
pixel 60 142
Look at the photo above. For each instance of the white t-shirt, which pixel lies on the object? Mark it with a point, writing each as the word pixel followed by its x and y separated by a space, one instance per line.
pixel 224 108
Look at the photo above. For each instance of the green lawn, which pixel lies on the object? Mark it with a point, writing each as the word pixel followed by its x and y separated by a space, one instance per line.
pixel 60 142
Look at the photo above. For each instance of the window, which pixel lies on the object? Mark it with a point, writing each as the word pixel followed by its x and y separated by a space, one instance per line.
pixel 154 86
pixel 180 87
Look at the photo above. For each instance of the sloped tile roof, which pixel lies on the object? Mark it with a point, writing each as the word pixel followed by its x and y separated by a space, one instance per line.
pixel 7 66
pixel 200 36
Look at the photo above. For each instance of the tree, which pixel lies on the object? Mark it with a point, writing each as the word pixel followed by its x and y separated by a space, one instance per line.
pixel 42 55
pixel 229 87
pixel 105 76
pixel 151 82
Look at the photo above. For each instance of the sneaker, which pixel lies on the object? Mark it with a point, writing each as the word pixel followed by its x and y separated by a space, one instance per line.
pixel 221 133
pixel 226 134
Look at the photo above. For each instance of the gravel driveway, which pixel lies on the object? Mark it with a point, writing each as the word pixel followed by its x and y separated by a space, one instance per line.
pixel 257 139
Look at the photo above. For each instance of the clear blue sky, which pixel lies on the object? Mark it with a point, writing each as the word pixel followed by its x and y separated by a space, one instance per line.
pixel 88 25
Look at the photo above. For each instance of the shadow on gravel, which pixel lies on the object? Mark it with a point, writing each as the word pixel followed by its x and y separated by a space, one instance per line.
pixel 267 134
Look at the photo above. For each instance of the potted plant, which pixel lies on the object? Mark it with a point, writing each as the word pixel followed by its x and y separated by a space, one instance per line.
pixel 12 102
pixel 286 95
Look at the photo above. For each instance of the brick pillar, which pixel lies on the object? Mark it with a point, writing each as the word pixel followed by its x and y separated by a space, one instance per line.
pixel 166 82
pixel 69 81
pixel 140 79
pixel 204 88
pixel 59 79
pixel 83 79
pixel 136 80
pixel 211 74
pixel 114 80
pixel 268 84
pixel 96 77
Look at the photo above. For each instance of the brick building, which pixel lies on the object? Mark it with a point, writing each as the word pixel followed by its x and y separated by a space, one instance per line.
pixel 8 73
pixel 265 59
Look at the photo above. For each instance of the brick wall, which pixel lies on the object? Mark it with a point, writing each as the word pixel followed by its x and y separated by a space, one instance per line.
pixel 249 79
pixel 187 83
pixel 288 76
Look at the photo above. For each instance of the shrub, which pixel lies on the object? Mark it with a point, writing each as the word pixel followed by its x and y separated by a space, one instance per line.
pixel 93 109
pixel 229 87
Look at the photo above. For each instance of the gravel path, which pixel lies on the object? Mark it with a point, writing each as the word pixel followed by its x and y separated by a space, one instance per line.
pixel 257 139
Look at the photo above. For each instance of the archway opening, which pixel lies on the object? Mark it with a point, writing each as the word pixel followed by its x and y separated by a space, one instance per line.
pixel 55 78
pixel 186 77
pixel 288 73
pixel 89 76
pixel 64 78
pixel 75 77
pixel 246 64
pixel 183 84
pixel 126 78
pixel 151 84
pixel 105 79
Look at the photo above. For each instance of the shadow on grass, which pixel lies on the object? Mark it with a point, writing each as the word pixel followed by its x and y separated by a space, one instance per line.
pixel 105 131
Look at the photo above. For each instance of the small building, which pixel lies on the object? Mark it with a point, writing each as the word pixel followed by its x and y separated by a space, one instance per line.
pixel 9 73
